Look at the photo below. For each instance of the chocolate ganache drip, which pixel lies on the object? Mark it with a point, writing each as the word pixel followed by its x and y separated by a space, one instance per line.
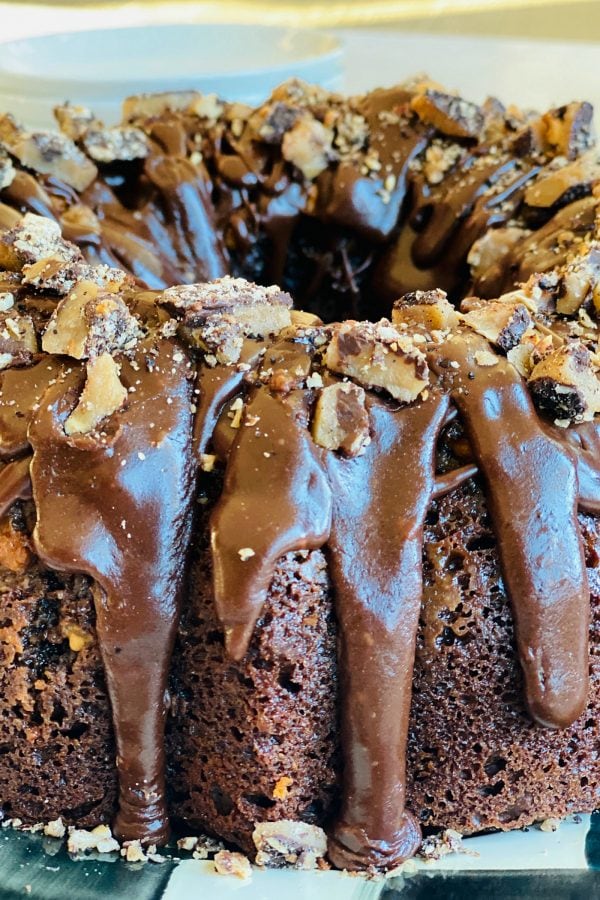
pixel 118 508
pixel 376 547
pixel 275 499
pixel 532 488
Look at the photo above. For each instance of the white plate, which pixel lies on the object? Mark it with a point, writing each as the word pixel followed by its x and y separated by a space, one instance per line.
pixel 99 68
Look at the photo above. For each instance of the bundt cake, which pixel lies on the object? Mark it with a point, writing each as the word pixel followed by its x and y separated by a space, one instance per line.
pixel 261 566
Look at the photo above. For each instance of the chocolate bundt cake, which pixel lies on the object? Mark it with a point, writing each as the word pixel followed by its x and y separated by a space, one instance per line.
pixel 261 568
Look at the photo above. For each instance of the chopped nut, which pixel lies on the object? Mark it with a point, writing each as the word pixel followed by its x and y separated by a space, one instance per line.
pixel 99 839
pixel 133 852
pixel 121 143
pixel 289 843
pixel 55 829
pixel 259 311
pixel 73 120
pixel 377 355
pixel 341 420
pixel 559 182
pixel 18 340
pixel 485 358
pixel 187 843
pixel 569 129
pixel 246 553
pixel 32 239
pixel 439 159
pixel 565 382
pixel 431 309
pixel 227 862
pixel 52 153
pixel 502 323
pixel 308 146
pixel 449 114
pixel 88 323
pixel 439 845
pixel 102 395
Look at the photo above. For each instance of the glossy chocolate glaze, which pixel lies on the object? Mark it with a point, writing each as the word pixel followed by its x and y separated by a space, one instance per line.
pixel 21 391
pixel 375 549
pixel 532 489
pixel 250 528
pixel 119 510
pixel 15 483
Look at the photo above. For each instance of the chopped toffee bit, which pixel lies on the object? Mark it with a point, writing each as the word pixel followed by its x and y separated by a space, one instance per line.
pixel 289 843
pixel 90 322
pixel 260 311
pixel 106 145
pixel 341 420
pixel 50 153
pixel 502 323
pixel 377 355
pixel 580 280
pixel 32 239
pixel 59 276
pixel 143 106
pixel 451 115
pixel 73 120
pixel 219 335
pixel 102 395
pixel 558 182
pixel 569 129
pixel 431 309
pixel 565 383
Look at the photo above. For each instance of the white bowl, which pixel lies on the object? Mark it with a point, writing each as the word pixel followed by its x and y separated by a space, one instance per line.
pixel 98 68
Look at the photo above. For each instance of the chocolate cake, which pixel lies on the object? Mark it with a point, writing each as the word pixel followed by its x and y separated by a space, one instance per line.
pixel 262 568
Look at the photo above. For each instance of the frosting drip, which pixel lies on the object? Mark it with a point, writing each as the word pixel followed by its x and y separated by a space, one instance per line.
pixel 376 545
pixel 531 484
pixel 275 499
pixel 120 511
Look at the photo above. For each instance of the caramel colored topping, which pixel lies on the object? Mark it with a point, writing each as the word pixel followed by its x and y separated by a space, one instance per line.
pixel 377 355
pixel 102 395
pixel 89 322
pixel 35 238
pixel 565 382
pixel 341 421
pixel 502 323
pixel 451 115
pixel 430 309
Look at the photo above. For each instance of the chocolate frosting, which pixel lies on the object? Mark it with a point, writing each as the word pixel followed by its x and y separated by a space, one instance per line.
pixel 532 489
pixel 119 510
pixel 375 548
pixel 15 483
pixel 252 527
